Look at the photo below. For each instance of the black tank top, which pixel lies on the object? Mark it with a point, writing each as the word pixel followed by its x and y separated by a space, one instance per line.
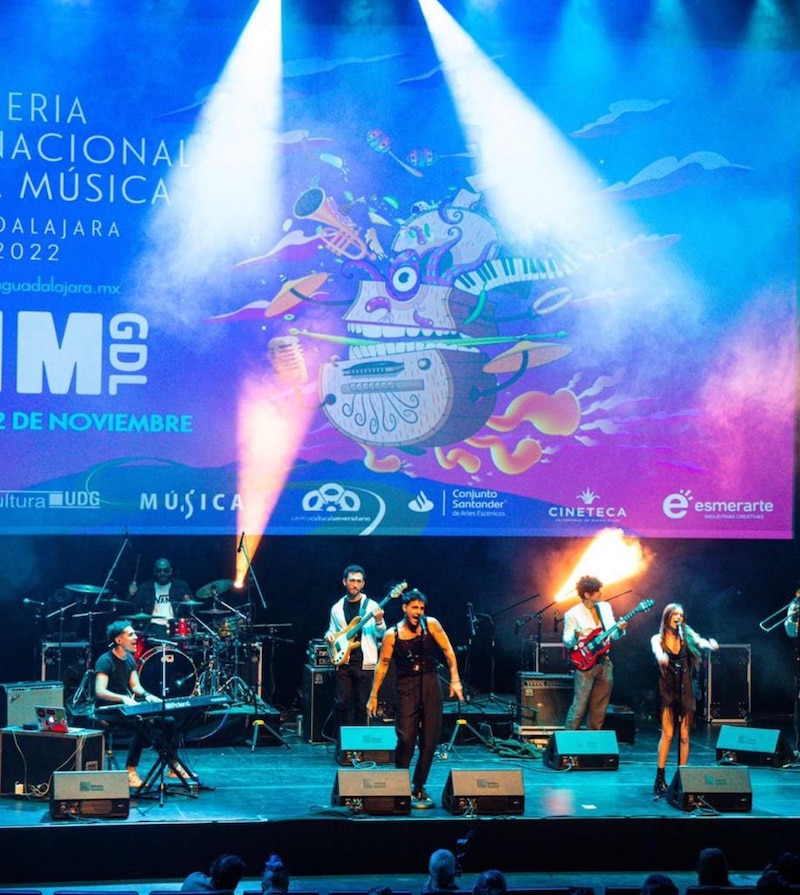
pixel 417 655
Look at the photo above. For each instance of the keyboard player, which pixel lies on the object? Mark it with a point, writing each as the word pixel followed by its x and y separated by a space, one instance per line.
pixel 117 682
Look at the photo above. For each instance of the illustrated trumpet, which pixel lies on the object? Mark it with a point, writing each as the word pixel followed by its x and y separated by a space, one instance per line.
pixel 340 234
pixel 791 611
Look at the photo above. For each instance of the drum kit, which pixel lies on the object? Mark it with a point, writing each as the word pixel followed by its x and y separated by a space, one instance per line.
pixel 201 652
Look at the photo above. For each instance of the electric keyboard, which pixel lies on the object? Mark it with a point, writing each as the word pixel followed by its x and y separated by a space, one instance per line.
pixel 502 271
pixel 178 706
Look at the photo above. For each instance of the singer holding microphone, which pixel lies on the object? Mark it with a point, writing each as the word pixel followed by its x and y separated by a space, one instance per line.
pixel 678 650
pixel 416 644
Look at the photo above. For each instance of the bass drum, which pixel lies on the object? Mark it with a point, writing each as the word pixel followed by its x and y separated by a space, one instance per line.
pixel 169 666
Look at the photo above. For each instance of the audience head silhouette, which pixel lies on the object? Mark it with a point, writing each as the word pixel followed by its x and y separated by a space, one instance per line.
pixel 275 878
pixel 712 868
pixel 226 871
pixel 490 882
pixel 442 870
pixel 659 884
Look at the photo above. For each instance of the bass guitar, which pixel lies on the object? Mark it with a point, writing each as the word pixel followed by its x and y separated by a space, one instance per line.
pixel 344 642
pixel 593 645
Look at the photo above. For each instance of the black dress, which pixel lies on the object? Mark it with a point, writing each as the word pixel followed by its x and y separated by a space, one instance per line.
pixel 678 680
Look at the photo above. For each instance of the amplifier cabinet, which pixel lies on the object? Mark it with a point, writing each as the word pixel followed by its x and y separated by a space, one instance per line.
pixel 318 704
pixel 543 700
pixel 61 658
pixel 726 683
pixel 28 759
pixel 18 701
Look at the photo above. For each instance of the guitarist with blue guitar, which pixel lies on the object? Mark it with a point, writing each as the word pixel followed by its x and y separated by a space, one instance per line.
pixel 589 631
pixel 353 637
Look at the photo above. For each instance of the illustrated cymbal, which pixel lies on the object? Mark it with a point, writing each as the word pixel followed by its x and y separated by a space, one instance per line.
pixel 215 612
pixel 214 588
pixel 84 588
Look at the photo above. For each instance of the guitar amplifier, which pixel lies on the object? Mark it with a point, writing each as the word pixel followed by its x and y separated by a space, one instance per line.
pixel 318 655
pixel 18 701
pixel 543 700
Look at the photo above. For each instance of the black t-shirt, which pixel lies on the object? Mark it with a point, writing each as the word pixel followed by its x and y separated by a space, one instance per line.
pixel 118 671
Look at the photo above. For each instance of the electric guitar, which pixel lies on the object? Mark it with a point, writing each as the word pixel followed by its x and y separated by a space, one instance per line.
pixel 598 642
pixel 344 641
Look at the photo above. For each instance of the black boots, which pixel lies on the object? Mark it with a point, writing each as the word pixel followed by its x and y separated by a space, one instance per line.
pixel 660 786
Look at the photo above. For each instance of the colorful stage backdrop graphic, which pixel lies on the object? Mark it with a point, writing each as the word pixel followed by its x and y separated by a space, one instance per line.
pixel 543 288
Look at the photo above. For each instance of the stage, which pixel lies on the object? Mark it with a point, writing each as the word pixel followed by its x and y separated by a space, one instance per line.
pixel 277 797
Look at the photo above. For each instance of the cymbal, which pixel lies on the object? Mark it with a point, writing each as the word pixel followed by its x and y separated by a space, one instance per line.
pixel 274 625
pixel 215 612
pixel 213 588
pixel 140 617
pixel 118 601
pixel 188 603
pixel 84 588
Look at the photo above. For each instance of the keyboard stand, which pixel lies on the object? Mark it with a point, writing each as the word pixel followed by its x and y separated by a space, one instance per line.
pixel 167 759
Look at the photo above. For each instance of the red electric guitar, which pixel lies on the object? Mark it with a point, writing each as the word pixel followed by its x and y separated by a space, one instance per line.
pixel 344 641
pixel 594 645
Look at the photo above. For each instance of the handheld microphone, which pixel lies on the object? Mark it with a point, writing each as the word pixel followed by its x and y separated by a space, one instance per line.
pixel 241 544
pixel 423 624
pixel 32 602
pixel 680 630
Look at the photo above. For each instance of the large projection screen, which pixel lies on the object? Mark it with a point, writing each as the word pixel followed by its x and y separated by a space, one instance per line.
pixel 539 289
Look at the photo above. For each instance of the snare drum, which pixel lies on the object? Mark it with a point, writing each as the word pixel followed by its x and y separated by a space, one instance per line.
pixel 171 665
pixel 182 628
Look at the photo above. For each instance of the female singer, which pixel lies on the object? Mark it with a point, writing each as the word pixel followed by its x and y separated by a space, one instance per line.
pixel 677 649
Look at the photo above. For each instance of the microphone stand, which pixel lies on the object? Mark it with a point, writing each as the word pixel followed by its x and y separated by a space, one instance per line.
pixel 253 580
pixel 114 565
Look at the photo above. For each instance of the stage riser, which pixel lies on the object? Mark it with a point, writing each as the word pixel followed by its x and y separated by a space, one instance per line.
pixel 135 851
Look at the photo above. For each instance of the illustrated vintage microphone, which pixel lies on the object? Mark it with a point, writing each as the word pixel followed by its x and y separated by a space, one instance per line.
pixel 287 360
pixel 340 234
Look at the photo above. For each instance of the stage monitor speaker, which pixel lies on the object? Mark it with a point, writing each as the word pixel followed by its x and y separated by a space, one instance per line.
pixel 89 794
pixel 749 745
pixel 582 750
pixel 375 743
pixel 18 701
pixel 543 699
pixel 373 791
pixel 484 792
pixel 723 789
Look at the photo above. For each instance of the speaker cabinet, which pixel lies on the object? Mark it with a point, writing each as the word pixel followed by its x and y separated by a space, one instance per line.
pixel 358 744
pixel 18 701
pixel 30 758
pixel 373 791
pixel 484 792
pixel 89 794
pixel 318 703
pixel 582 750
pixel 543 700
pixel 749 745
pixel 723 789
pixel 726 683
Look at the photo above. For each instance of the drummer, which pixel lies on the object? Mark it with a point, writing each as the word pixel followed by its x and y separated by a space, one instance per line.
pixel 160 598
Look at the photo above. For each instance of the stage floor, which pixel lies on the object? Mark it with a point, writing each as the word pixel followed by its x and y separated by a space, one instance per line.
pixel 278 798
